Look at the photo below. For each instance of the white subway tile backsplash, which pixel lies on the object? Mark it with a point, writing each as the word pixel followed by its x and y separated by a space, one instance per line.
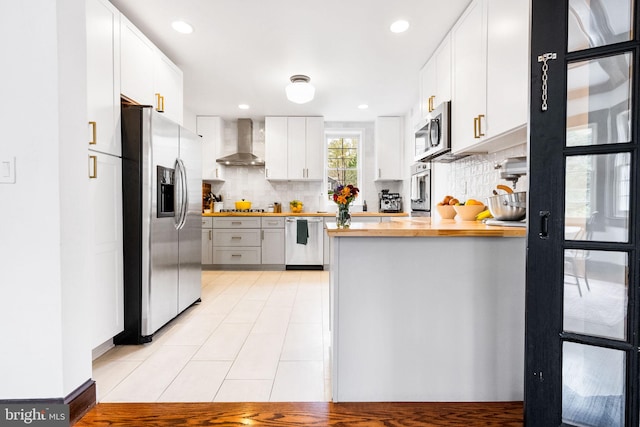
pixel 474 176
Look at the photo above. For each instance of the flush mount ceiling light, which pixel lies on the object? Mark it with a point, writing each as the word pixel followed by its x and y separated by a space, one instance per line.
pixel 182 27
pixel 300 90
pixel 243 106
pixel 399 26
pixel 363 106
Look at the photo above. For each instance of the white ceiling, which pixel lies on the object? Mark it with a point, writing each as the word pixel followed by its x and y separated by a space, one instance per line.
pixel 244 51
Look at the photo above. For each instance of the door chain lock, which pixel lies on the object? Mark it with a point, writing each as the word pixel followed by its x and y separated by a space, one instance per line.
pixel 545 68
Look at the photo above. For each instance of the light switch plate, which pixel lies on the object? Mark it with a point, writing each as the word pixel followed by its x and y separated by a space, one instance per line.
pixel 8 170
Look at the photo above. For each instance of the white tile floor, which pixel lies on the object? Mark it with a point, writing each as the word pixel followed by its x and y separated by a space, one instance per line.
pixel 257 336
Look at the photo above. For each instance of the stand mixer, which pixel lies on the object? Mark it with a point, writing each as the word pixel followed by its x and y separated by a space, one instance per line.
pixel 512 168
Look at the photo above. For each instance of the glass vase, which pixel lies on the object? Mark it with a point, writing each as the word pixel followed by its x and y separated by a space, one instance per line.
pixel 343 217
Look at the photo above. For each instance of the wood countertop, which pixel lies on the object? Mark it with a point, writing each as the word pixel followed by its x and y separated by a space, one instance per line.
pixel 310 214
pixel 424 227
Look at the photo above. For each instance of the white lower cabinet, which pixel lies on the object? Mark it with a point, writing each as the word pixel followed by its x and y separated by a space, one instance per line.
pixel 237 240
pixel 105 186
pixel 243 240
pixel 273 240
pixel 207 246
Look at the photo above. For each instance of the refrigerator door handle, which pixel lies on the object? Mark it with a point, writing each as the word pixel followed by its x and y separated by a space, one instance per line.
pixel 181 218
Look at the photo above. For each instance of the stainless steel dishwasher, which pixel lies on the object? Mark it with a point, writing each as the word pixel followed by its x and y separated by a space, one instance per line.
pixel 304 243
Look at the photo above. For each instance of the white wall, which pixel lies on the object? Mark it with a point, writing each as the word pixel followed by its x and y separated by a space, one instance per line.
pixel 43 220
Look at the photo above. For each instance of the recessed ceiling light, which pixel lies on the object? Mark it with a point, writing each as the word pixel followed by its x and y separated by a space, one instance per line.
pixel 243 106
pixel 363 106
pixel 399 26
pixel 182 27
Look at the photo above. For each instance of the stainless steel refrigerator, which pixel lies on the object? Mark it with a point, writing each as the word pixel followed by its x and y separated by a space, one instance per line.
pixel 162 185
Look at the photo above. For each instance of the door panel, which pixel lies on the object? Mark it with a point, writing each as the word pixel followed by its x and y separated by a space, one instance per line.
pixel 599 100
pixel 598 23
pixel 595 293
pixel 582 311
pixel 593 384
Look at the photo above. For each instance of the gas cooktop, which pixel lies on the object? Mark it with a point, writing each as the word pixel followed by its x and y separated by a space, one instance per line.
pixel 242 210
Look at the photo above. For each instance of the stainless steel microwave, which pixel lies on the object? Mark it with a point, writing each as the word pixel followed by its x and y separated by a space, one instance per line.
pixel 433 135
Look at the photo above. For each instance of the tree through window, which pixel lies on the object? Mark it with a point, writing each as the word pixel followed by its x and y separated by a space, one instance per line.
pixel 342 161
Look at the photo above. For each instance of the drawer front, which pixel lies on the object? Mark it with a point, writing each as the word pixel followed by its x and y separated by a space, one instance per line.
pixel 207 222
pixel 239 222
pixel 236 255
pixel 272 222
pixel 225 237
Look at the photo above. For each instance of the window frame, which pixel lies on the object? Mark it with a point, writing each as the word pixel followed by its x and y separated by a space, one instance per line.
pixel 333 133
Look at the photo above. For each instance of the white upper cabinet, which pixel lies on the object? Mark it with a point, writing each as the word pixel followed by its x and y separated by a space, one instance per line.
pixel 314 148
pixel 294 148
pixel 137 64
pixel 103 77
pixel 168 88
pixel 148 77
pixel 211 129
pixel 435 79
pixel 389 151
pixel 275 147
pixel 296 141
pixel 490 51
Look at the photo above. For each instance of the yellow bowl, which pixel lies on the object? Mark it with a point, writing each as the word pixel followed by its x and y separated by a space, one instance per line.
pixel 446 211
pixel 468 213
pixel 243 204
pixel 296 209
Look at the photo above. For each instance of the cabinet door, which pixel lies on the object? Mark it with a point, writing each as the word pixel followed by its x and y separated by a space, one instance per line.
pixel 296 141
pixel 207 246
pixel 389 149
pixel 443 72
pixel 137 64
pixel 507 65
pixel 168 88
pixel 103 77
pixel 211 129
pixel 273 246
pixel 275 148
pixel 427 88
pixel 314 154
pixel 107 283
pixel 468 109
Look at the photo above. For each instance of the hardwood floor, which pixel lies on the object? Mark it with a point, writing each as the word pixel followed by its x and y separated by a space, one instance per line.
pixel 434 414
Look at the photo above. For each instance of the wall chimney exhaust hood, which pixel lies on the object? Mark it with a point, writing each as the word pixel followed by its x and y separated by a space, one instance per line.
pixel 243 155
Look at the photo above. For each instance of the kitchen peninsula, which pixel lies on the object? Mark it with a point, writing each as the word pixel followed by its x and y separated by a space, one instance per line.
pixel 427 311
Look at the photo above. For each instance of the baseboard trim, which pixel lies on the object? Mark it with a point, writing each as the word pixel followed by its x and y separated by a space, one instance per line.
pixel 80 401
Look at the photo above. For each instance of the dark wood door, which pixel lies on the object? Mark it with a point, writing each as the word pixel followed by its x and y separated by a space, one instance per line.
pixel 582 266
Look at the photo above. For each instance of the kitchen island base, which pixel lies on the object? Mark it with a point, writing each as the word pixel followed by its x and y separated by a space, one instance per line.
pixel 427 318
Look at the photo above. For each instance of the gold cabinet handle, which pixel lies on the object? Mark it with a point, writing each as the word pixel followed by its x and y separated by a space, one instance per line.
pixel 480 117
pixel 159 103
pixel 93 166
pixel 94 133
pixel 475 128
pixel 431 98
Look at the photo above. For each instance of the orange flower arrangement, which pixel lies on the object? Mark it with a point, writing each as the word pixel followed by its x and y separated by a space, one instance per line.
pixel 345 194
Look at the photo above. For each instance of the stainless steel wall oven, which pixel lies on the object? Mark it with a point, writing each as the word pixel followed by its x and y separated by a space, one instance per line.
pixel 420 189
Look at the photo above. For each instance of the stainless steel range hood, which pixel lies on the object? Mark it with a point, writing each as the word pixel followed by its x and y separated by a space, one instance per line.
pixel 244 155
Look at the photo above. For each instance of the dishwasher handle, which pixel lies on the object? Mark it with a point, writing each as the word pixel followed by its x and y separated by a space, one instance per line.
pixel 310 221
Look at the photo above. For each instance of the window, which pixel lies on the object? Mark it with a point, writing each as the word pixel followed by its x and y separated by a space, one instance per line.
pixel 343 151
